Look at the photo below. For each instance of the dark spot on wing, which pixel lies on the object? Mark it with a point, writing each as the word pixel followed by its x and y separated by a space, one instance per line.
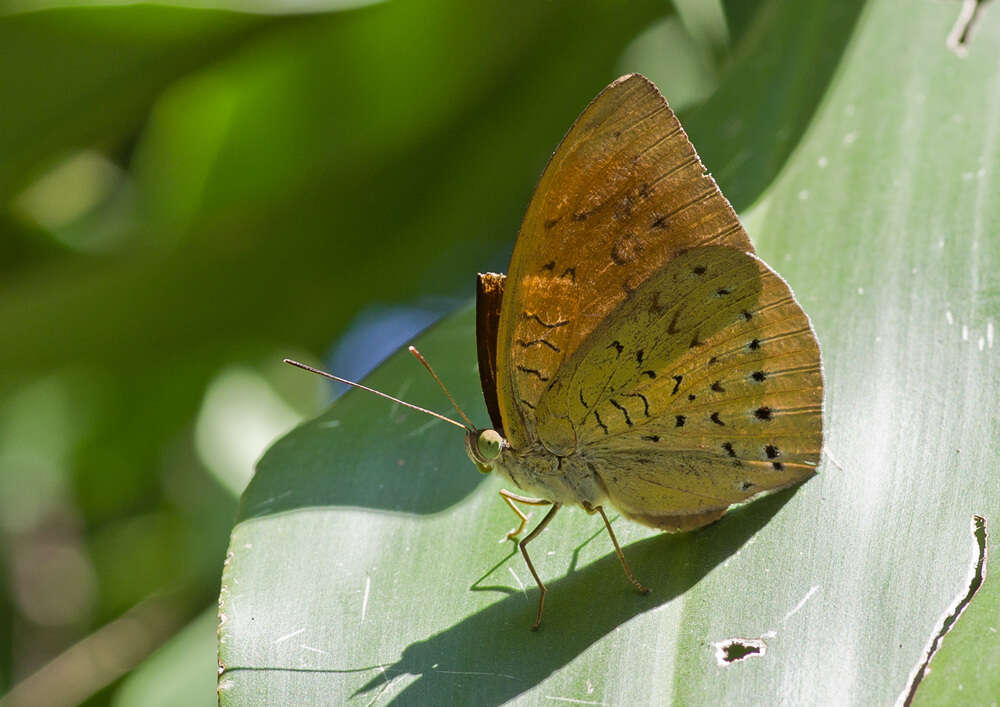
pixel 729 449
pixel 549 265
pixel 661 222
pixel 527 404
pixel 651 374
pixel 626 249
pixel 691 396
pixel 772 452
pixel 722 291
pixel 624 209
pixel 699 269
pixel 754 345
pixel 616 345
pixel 694 341
pixel 677 384
pixel 569 273
pixel 714 417
pixel 717 387
pixel 762 413
pixel 552 222
pixel 746 486
pixel 652 438
pixel 597 416
pixel 747 315
pixel 582 401
pixel 712 360
pixel 758 376
pixel 778 466
pixel 639 355
pixel 680 419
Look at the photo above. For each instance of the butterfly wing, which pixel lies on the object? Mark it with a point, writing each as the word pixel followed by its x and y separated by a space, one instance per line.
pixel 701 390
pixel 623 194
pixel 489 294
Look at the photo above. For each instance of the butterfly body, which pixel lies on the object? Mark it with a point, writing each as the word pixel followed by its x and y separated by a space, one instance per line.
pixel 639 354
pixel 566 480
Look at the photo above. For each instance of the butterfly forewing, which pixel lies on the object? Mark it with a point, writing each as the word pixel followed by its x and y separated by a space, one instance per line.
pixel 623 194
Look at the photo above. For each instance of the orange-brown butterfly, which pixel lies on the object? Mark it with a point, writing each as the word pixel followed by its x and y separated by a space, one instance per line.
pixel 638 354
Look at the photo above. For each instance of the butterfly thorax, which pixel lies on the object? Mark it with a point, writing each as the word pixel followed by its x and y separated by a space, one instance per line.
pixel 536 471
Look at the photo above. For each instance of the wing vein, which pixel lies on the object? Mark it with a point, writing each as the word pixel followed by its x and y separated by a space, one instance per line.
pixel 693 159
pixel 673 133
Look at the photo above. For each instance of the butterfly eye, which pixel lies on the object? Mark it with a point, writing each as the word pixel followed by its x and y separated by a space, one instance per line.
pixel 489 444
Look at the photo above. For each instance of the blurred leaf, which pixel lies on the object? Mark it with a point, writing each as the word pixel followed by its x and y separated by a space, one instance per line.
pixel 283 205
pixel 82 673
pixel 740 16
pixel 705 21
pixel 240 416
pixel 75 77
pixel 276 7
pixel 670 57
pixel 369 523
pixel 182 672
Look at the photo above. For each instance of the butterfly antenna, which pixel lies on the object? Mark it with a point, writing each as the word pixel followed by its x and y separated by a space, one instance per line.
pixel 372 390
pixel 413 350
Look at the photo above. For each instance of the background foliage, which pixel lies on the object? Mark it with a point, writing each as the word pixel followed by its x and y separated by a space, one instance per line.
pixel 190 192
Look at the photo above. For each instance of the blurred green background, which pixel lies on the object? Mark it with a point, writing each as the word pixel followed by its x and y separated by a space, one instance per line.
pixel 193 190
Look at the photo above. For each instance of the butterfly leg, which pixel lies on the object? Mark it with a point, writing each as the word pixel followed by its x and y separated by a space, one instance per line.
pixel 621 555
pixel 524 551
pixel 509 498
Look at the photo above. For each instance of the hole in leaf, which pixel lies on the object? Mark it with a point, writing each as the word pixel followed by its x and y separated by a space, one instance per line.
pixel 734 650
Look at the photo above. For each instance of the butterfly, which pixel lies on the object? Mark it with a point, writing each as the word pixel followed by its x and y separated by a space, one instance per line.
pixel 638 354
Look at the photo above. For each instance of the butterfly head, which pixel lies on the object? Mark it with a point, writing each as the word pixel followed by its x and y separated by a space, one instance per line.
pixel 484 448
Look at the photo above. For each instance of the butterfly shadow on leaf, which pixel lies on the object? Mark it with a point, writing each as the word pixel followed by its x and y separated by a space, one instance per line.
pixel 366 453
pixel 492 656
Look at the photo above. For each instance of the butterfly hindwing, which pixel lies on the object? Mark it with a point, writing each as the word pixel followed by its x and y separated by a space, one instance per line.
pixel 624 376
pixel 701 390
pixel 623 194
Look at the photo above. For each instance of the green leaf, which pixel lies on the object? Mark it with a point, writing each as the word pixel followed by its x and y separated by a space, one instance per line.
pixel 371 522
pixel 368 563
